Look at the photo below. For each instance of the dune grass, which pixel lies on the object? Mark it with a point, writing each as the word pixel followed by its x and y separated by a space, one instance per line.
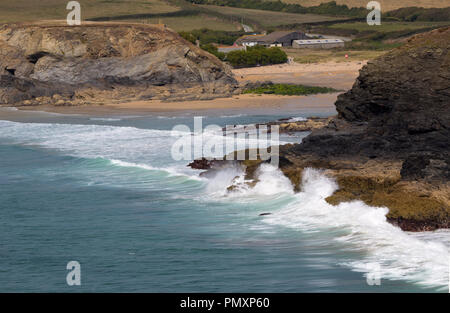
pixel 289 90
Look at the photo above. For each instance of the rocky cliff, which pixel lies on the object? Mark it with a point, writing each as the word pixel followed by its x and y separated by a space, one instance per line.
pixel 390 143
pixel 101 62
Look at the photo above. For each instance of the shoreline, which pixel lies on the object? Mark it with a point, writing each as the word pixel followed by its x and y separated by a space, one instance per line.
pixel 339 76
pixel 321 102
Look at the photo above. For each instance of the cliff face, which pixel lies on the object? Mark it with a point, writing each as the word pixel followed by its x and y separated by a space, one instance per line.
pixel 390 144
pixel 99 62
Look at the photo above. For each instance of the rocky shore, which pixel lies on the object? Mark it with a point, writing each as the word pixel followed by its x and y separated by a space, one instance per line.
pixel 390 143
pixel 96 63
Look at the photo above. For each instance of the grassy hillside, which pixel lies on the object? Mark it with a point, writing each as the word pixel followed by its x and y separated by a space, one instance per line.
pixel 179 15
pixel 388 27
pixel 264 19
pixel 386 5
pixel 31 10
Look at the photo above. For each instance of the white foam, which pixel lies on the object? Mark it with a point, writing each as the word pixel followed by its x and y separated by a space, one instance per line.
pixel 270 183
pixel 171 171
pixel 8 108
pixel 297 119
pixel 105 119
pixel 231 116
pixel 366 230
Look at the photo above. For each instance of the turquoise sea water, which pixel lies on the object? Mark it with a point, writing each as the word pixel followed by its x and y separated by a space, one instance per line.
pixel 104 191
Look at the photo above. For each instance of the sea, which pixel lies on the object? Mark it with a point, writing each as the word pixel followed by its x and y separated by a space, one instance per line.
pixel 105 191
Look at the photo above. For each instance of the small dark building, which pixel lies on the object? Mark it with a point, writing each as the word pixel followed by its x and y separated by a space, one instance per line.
pixel 282 38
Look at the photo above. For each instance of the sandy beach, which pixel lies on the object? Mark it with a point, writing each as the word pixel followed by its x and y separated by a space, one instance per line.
pixel 323 102
pixel 340 76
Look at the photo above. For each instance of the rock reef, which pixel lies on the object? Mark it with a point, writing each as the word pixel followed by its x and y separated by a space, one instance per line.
pixel 105 62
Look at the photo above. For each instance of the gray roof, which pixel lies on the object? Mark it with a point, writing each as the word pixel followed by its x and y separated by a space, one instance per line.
pixel 275 36
pixel 270 38
pixel 317 41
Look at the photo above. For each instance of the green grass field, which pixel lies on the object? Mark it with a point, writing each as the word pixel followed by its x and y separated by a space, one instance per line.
pixel 33 10
pixel 188 23
pixel 387 27
pixel 182 14
pixel 267 19
pixel 386 5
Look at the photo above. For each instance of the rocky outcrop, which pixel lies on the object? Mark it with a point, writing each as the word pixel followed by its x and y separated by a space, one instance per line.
pixel 390 143
pixel 101 62
pixel 292 125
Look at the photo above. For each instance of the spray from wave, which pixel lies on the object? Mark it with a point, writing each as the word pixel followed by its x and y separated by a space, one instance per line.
pixel 398 254
pixel 364 229
pixel 353 226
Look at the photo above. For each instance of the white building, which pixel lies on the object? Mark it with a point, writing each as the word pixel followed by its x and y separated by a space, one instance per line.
pixel 318 43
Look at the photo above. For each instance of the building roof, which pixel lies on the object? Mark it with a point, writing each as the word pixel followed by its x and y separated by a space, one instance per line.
pixel 250 38
pixel 268 39
pixel 272 37
pixel 318 41
pixel 227 49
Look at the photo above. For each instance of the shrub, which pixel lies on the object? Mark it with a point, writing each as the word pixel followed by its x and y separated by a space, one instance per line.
pixel 213 50
pixel 288 89
pixel 255 56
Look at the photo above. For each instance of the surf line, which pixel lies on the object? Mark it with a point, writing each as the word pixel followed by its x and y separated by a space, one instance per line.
pixel 237 142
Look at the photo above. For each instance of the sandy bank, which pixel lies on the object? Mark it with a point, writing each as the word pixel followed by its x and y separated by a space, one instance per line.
pixel 320 102
pixel 335 75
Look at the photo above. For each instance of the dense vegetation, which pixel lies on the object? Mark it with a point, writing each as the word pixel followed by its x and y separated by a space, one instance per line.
pixel 207 36
pixel 413 14
pixel 214 50
pixel 255 56
pixel 329 8
pixel 288 89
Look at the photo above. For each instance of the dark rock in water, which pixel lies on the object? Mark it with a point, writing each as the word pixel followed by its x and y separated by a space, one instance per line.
pixel 104 62
pixel 201 164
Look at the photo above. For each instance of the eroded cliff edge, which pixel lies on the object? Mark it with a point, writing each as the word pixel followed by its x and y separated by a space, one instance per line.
pixel 389 145
pixel 103 62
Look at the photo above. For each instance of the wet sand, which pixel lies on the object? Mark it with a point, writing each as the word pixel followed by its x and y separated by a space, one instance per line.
pixel 241 103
